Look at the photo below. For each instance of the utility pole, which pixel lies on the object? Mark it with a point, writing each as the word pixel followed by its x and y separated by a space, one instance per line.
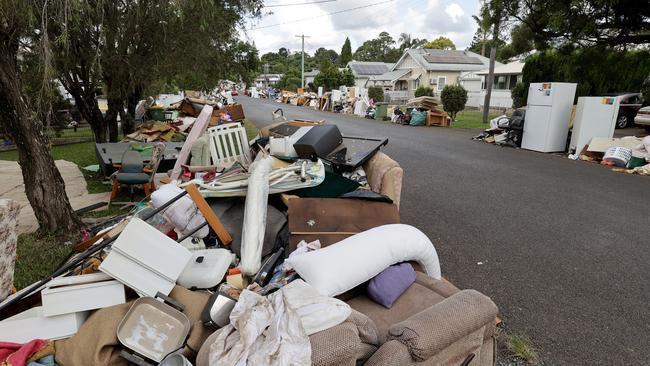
pixel 302 76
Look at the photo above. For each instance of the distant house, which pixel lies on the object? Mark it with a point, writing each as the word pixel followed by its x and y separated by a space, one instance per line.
pixel 505 78
pixel 310 75
pixel 428 67
pixel 265 80
pixel 364 70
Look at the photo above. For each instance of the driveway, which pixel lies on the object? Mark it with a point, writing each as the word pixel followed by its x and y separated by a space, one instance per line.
pixel 561 246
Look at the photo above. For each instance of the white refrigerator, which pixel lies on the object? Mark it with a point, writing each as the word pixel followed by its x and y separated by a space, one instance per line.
pixel 595 117
pixel 546 126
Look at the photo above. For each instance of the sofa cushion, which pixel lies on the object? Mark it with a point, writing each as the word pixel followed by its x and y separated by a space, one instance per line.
pixel 390 284
pixel 415 299
pixel 353 261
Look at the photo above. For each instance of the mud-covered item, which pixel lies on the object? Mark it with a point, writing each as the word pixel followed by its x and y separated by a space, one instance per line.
pixel 331 220
pixel 151 329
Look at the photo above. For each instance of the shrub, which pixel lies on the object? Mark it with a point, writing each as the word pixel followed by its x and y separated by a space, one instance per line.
pixel 519 95
pixel 453 98
pixel 423 91
pixel 376 93
pixel 597 70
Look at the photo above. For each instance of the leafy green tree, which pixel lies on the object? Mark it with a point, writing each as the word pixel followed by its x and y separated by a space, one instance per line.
pixel 323 54
pixel 441 43
pixel 331 78
pixel 423 91
pixel 376 92
pixel 23 115
pixel 583 23
pixel 378 49
pixel 453 99
pixel 406 41
pixel 346 52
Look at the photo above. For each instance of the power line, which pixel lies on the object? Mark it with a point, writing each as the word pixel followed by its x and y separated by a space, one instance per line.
pixel 295 4
pixel 320 16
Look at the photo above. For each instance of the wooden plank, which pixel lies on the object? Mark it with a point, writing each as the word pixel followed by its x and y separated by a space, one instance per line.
pixel 198 129
pixel 209 215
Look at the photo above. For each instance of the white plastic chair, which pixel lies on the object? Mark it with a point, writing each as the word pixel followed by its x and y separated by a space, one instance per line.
pixel 228 144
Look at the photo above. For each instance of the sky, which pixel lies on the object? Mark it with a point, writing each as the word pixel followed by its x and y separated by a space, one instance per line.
pixel 420 18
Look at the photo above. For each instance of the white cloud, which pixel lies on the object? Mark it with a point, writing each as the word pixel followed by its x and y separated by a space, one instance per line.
pixel 454 11
pixel 419 18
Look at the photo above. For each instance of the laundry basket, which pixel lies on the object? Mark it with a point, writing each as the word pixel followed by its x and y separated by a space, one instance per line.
pixel 619 155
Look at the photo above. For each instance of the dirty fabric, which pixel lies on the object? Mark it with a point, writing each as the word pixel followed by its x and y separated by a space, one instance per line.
pixel 316 312
pixel 16 354
pixel 263 331
pixel 9 210
pixel 183 214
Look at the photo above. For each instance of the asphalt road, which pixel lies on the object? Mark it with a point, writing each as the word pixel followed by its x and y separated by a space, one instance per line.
pixel 561 246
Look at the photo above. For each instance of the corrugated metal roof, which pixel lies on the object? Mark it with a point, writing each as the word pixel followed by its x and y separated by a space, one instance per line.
pixel 391 75
pixel 450 57
pixel 419 54
pixel 368 68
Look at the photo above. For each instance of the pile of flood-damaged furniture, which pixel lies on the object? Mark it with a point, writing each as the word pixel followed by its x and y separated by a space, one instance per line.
pixel 284 250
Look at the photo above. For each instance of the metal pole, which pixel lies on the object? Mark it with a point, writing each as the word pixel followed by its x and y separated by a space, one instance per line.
pixel 302 75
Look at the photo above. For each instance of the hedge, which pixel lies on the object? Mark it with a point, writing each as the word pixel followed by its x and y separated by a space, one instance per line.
pixel 597 71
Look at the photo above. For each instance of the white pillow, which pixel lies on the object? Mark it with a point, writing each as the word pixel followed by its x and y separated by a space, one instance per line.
pixel 358 258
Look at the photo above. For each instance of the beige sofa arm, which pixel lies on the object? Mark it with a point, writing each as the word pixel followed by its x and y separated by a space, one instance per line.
pixel 335 346
pixel 430 331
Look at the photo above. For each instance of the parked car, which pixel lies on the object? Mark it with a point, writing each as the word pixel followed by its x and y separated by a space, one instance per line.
pixel 643 118
pixel 629 105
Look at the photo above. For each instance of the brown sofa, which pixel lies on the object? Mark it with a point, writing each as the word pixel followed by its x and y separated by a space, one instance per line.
pixel 432 323
pixel 384 176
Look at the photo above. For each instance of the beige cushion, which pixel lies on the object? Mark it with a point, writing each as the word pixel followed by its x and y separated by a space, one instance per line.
pixel 415 299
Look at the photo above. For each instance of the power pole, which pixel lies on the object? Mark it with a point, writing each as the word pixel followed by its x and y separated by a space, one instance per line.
pixel 302 76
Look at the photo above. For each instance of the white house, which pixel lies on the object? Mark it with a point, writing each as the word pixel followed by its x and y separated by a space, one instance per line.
pixel 310 75
pixel 505 78
pixel 265 80
pixel 364 70
pixel 428 67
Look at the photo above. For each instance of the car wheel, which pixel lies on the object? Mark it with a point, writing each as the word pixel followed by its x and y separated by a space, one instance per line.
pixel 646 128
pixel 621 122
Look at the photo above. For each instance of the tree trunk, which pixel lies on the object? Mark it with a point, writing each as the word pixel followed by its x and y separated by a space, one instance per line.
pixel 44 185
pixel 488 84
pixel 128 118
pixel 88 108
pixel 115 106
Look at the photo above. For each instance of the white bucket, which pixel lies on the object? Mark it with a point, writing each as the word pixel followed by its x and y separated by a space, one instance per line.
pixel 619 155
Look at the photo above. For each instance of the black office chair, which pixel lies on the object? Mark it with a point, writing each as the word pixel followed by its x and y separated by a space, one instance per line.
pixel 514 128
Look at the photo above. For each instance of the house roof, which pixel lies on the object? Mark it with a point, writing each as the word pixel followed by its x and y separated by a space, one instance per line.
pixel 515 67
pixel 391 75
pixel 365 68
pixel 312 73
pixel 447 60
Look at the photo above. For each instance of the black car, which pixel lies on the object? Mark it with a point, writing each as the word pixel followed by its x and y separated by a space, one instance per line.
pixel 629 105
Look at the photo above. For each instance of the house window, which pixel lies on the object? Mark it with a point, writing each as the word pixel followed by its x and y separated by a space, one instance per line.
pixel 416 83
pixel 442 80
pixel 500 82
pixel 513 82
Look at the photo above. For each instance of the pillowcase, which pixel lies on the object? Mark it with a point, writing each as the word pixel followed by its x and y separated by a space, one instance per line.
pixel 358 258
pixel 390 284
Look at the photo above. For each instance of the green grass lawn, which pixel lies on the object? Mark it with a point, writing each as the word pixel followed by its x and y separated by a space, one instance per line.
pixel 471 118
